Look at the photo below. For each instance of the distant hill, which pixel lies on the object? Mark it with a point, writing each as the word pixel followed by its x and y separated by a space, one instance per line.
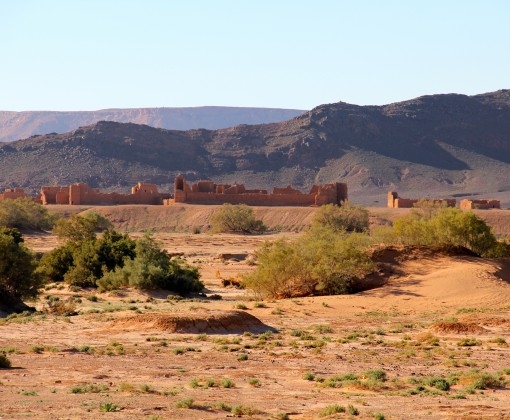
pixel 20 125
pixel 434 146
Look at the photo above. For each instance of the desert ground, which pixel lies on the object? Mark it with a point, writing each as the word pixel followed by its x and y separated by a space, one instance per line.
pixel 431 343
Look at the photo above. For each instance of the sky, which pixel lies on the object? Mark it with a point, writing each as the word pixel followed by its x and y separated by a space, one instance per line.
pixel 76 55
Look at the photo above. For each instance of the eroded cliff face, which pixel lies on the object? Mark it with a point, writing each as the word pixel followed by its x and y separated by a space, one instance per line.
pixel 449 145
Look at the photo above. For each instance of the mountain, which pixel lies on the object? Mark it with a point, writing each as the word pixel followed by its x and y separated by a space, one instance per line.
pixel 19 125
pixel 446 145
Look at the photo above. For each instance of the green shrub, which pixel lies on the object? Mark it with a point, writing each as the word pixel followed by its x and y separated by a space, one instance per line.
pixel 468 342
pixel 243 410
pixel 81 262
pixel 485 380
pixel 439 383
pixel 78 228
pixel 332 409
pixel 108 407
pixel 376 375
pixel 347 217
pixel 18 278
pixel 24 213
pixel 321 262
pixel 446 228
pixel 236 218
pixel 223 407
pixel 185 403
pixel 309 376
pixel 227 383
pixel 353 411
pixel 255 382
pixel 55 264
pixel 153 268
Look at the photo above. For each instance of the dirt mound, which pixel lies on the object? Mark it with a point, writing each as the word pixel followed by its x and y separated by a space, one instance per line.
pixel 202 321
pixel 458 328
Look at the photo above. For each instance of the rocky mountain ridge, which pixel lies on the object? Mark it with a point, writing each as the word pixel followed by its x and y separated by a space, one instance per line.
pixel 20 125
pixel 438 145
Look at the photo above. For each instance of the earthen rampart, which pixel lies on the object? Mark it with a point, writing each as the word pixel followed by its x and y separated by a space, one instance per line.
pixel 82 194
pixel 12 194
pixel 206 192
pixel 394 201
pixel 466 204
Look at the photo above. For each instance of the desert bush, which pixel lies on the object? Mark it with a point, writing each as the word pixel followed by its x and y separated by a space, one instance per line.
pixel 62 307
pixel 347 217
pixel 81 228
pixel 332 409
pixel 108 407
pixel 439 383
pixel 81 262
pixel 308 376
pixel 255 382
pixel 56 263
pixel 476 379
pixel 446 228
pixel 236 218
pixel 185 403
pixel 24 213
pixel 375 375
pixel 18 279
pixel 353 411
pixel 321 262
pixel 152 268
pixel 243 410
pixel 227 383
pixel 428 208
pixel 469 342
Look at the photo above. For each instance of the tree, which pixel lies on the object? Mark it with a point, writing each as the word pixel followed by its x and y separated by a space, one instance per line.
pixel 24 213
pixel 321 262
pixel 428 208
pixel 348 217
pixel 447 228
pixel 152 268
pixel 236 218
pixel 18 280
pixel 82 262
pixel 80 228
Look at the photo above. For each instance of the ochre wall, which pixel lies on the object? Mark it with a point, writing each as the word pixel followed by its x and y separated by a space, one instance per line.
pixel 466 204
pixel 206 192
pixel 396 202
pixel 12 194
pixel 83 194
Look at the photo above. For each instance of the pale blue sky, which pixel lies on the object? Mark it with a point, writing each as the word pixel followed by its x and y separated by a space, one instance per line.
pixel 96 54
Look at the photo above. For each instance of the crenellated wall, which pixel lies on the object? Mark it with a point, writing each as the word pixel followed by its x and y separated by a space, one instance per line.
pixel 12 194
pixel 466 204
pixel 206 192
pixel 82 194
pixel 396 202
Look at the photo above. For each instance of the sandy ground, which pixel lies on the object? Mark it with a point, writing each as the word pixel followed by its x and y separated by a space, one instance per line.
pixel 440 316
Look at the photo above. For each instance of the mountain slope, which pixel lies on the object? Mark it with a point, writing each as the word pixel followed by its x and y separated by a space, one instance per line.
pixel 19 125
pixel 439 145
